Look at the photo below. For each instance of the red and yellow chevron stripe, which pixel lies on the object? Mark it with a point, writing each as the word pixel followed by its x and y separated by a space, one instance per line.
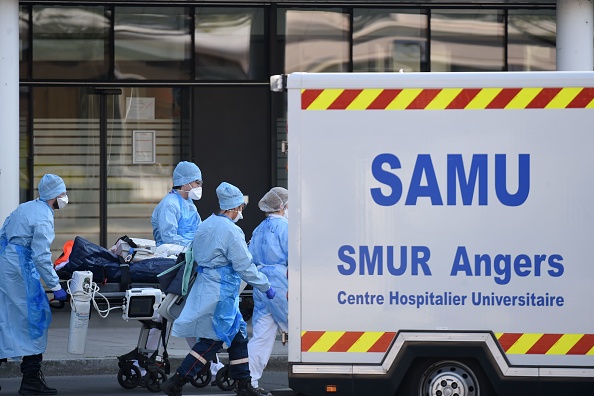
pixel 448 98
pixel 546 344
pixel 346 341
pixel 511 343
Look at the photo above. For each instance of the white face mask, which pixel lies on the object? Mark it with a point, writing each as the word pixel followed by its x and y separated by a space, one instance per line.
pixel 62 202
pixel 286 213
pixel 195 193
pixel 238 217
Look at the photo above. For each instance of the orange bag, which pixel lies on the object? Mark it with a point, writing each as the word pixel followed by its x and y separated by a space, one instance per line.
pixel 65 253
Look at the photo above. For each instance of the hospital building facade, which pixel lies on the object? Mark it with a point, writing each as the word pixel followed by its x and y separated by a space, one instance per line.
pixel 113 94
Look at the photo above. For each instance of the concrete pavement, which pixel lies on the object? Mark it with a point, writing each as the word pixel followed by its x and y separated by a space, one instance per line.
pixel 108 338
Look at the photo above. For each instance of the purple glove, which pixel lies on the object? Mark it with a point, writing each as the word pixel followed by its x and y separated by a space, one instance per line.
pixel 270 293
pixel 60 295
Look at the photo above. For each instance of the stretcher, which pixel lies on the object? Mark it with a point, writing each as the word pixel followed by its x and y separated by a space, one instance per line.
pixel 113 278
pixel 118 269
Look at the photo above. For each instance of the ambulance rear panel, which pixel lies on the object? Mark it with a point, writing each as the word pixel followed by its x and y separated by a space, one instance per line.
pixel 441 202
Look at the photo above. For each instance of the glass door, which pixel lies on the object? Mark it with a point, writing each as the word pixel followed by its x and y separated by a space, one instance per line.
pixel 115 148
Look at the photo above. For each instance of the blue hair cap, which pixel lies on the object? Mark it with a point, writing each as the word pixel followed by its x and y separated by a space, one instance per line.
pixel 50 187
pixel 229 196
pixel 186 172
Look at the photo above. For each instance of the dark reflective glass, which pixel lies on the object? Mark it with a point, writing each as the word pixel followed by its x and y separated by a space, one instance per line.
pixel 24 52
pixel 387 41
pixel 230 44
pixel 467 40
pixel 152 43
pixel 70 42
pixel 315 40
pixel 531 40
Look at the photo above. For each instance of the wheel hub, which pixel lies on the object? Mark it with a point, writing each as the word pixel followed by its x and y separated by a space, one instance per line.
pixel 449 384
pixel 449 378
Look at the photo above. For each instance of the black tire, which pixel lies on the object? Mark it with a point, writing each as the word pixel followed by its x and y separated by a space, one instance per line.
pixel 203 377
pixel 224 381
pixel 154 379
pixel 57 304
pixel 129 376
pixel 433 376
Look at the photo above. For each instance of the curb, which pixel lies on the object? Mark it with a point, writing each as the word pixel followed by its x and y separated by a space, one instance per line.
pixel 107 366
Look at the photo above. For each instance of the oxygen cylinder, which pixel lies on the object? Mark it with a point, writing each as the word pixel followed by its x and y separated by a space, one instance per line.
pixel 80 288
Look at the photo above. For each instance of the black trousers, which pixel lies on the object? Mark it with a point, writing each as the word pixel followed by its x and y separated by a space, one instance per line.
pixel 31 363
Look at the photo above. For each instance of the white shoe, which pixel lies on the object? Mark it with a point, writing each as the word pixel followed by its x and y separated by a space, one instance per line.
pixel 215 367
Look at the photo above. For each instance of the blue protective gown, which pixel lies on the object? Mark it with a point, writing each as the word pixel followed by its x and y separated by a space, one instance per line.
pixel 25 316
pixel 270 250
pixel 175 220
pixel 223 259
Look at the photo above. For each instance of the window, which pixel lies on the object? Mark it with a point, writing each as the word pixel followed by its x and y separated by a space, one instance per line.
pixel 24 53
pixel 467 40
pixel 315 40
pixel 531 40
pixel 230 44
pixel 152 43
pixel 387 41
pixel 70 43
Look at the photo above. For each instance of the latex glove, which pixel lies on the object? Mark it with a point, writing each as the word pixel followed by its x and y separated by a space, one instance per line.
pixel 270 293
pixel 60 295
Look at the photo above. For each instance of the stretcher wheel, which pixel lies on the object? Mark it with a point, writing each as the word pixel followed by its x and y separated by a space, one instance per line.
pixel 154 379
pixel 203 377
pixel 57 304
pixel 224 381
pixel 129 376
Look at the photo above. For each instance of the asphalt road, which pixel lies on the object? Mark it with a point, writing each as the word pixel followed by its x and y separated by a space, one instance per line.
pixel 96 385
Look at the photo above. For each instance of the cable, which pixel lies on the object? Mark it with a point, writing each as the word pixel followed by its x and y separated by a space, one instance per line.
pixel 91 291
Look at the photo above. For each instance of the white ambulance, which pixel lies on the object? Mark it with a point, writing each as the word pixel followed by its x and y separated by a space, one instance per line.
pixel 441 233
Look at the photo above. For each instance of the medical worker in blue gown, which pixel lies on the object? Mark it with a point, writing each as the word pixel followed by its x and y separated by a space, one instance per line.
pixel 270 251
pixel 211 313
pixel 175 218
pixel 25 240
pixel 174 221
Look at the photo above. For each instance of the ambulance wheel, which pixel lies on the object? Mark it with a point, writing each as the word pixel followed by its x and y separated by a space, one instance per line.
pixel 203 377
pixel 129 376
pixel 155 379
pixel 433 377
pixel 224 381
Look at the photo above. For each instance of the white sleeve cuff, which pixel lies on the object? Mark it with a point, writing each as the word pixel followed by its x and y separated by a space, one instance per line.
pixel 56 288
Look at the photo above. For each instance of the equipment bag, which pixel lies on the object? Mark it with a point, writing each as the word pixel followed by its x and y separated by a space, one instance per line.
pixel 178 278
pixel 177 282
pixel 107 266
